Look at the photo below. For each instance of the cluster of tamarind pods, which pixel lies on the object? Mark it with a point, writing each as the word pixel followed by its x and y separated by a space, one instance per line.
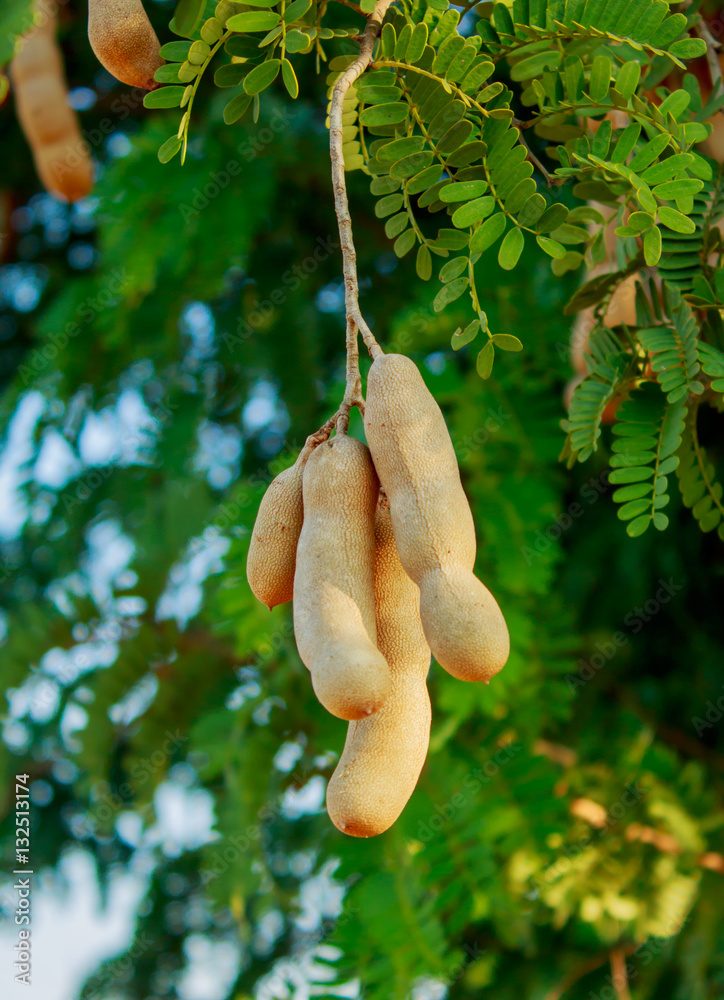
pixel 380 579
pixel 125 44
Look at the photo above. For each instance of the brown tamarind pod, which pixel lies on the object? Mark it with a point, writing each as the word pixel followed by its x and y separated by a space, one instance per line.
pixel 124 42
pixel 272 556
pixel 384 754
pixel 49 123
pixel 432 520
pixel 334 603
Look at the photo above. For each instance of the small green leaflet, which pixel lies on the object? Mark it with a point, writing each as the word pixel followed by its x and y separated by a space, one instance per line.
pixel 551 247
pixel 688 48
pixel 169 149
pixel 507 342
pixel 484 363
pixel 262 76
pixel 164 97
pixel 423 264
pixel 290 79
pixel 488 234
pixel 511 248
pixel 187 16
pixel 652 246
pixel 253 20
pixel 448 293
pixel 676 221
pixel 462 337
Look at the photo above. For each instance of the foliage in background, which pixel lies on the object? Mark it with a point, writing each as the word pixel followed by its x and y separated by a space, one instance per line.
pixel 602 82
pixel 168 347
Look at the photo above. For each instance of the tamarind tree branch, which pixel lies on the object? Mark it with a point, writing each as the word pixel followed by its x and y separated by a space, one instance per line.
pixel 355 321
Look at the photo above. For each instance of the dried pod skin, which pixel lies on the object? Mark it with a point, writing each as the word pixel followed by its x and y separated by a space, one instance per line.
pixel 384 754
pixel 49 123
pixel 334 605
pixel 432 521
pixel 272 554
pixel 124 42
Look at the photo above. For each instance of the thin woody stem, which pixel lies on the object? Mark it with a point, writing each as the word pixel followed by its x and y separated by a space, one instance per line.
pixel 530 155
pixel 319 437
pixel 582 970
pixel 619 974
pixel 355 320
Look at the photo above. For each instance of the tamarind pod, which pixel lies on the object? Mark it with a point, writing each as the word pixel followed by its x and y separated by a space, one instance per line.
pixel 272 556
pixel 124 42
pixel 384 754
pixel 48 122
pixel 334 604
pixel 432 520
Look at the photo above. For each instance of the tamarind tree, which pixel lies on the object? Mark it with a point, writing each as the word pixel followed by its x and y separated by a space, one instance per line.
pixel 169 344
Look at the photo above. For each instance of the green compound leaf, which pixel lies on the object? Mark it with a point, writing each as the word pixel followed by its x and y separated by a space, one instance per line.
pixel 674 350
pixel 646 416
pixel 700 490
